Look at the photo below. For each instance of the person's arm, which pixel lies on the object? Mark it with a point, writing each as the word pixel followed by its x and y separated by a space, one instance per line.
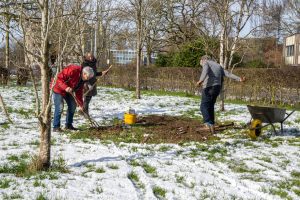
pixel 62 79
pixel 204 74
pixel 105 71
pixel 232 76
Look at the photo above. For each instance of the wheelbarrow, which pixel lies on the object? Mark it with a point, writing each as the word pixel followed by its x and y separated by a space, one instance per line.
pixel 268 116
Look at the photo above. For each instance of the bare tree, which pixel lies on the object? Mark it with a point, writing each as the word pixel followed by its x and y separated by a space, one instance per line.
pixel 7 17
pixel 47 28
pixel 233 17
pixel 292 20
pixel 183 20
pixel 139 8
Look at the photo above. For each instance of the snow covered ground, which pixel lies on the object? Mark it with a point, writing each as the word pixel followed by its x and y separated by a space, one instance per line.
pixel 234 167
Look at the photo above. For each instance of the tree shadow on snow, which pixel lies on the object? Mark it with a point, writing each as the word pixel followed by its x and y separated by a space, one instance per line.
pixel 167 156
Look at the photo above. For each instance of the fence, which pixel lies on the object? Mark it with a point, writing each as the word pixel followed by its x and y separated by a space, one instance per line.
pixel 269 86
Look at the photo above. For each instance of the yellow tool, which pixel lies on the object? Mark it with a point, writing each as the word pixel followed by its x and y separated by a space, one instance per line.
pixel 255 128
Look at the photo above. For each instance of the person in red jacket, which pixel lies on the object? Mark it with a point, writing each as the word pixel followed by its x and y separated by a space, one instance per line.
pixel 70 80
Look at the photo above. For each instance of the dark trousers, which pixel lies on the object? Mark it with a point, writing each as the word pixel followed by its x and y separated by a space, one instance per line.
pixel 86 102
pixel 207 107
pixel 58 105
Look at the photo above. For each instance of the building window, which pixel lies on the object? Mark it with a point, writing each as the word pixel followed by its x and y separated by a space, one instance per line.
pixel 290 50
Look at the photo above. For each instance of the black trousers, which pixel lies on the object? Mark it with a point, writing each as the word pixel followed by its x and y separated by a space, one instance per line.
pixel 207 107
pixel 86 102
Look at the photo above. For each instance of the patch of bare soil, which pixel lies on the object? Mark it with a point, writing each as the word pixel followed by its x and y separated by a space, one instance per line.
pixel 158 129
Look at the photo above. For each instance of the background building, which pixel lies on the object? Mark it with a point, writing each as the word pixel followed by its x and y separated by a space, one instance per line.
pixel 291 52
pixel 124 57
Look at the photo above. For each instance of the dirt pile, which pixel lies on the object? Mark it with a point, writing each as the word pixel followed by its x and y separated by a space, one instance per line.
pixel 157 129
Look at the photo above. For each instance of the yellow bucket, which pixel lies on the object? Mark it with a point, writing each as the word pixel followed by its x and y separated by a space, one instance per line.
pixel 129 118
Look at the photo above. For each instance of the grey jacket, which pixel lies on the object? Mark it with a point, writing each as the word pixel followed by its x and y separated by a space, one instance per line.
pixel 213 74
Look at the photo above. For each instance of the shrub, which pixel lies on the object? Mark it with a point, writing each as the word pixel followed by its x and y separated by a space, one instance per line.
pixel 188 54
pixel 256 64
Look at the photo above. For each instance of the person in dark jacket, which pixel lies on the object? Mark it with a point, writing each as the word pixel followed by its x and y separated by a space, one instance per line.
pixel 69 81
pixel 90 88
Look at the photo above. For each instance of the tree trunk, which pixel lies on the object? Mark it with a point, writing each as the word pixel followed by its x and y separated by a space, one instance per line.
pixel 36 94
pixel 45 115
pixel 139 48
pixel 148 56
pixel 2 105
pixel 7 25
pixel 222 63
pixel 138 65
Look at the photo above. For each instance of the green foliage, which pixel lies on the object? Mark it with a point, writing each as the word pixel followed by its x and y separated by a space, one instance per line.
pixel 162 60
pixel 188 54
pixel 255 64
pixel 236 59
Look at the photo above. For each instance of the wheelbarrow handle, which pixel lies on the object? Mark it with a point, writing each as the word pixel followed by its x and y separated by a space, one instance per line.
pixel 288 115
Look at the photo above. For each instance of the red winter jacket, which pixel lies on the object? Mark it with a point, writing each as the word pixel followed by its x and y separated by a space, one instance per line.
pixel 69 77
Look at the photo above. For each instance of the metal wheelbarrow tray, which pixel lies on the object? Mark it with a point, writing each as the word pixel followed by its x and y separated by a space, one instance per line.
pixel 268 115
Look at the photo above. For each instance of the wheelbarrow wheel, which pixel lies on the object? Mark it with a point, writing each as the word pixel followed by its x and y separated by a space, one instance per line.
pixel 255 128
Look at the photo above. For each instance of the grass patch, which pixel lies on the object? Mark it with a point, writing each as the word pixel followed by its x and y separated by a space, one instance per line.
pixel 14 144
pixel 135 179
pixel 5 125
pixel 265 159
pixel 12 196
pixel 279 192
pixel 134 163
pixel 35 142
pixel 41 197
pixel 133 176
pixel 167 93
pixel 296 174
pixel 13 158
pixel 22 167
pixel 149 169
pixel 80 135
pixel 45 175
pixel 5 183
pixel 100 170
pixel 297 192
pixel 194 153
pixel 254 178
pixel 25 113
pixel 112 166
pixel 59 165
pixel 179 179
pixel 217 153
pixel 242 168
pixel 164 148
pixel 159 192
pixel 38 183
pixel 18 158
